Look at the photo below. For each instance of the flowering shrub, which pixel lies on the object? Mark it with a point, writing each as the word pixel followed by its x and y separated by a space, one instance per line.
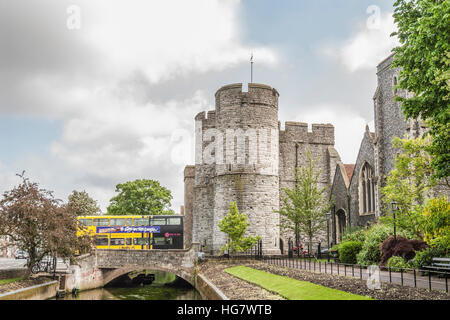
pixel 436 223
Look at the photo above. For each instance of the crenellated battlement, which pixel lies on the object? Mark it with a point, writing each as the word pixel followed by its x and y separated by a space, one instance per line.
pixel 298 132
pixel 258 94
pixel 208 118
pixel 248 159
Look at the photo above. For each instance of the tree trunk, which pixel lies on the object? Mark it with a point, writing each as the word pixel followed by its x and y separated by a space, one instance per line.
pixel 310 245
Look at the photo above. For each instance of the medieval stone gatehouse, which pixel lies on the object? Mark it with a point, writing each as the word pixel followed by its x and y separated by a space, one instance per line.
pixel 242 155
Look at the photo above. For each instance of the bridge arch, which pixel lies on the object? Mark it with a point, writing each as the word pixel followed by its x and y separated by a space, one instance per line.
pixel 102 266
pixel 111 274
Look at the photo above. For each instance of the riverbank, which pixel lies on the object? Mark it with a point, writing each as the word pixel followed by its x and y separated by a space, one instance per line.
pixel 21 283
pixel 235 288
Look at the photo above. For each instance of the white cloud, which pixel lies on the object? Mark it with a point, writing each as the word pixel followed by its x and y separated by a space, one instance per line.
pixel 165 39
pixel 365 49
pixel 114 128
pixel 348 128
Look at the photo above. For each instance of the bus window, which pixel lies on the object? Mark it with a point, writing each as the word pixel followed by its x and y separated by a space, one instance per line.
pixel 86 222
pixel 117 221
pixel 101 241
pixel 129 241
pixel 128 222
pixel 173 221
pixel 117 241
pixel 158 222
pixel 101 222
pixel 141 221
pixel 141 241
pixel 161 240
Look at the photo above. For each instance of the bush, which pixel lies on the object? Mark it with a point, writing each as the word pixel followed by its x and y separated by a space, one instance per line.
pixel 396 263
pixel 400 247
pixel 348 251
pixel 375 235
pixel 423 258
pixel 436 223
pixel 354 234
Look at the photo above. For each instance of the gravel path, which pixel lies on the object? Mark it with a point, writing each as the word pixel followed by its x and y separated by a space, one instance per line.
pixel 234 288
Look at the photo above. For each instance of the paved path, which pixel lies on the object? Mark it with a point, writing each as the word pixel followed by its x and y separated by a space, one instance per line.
pixel 7 263
pixel 406 279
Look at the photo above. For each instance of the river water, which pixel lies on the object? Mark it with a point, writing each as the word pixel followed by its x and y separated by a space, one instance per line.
pixel 156 291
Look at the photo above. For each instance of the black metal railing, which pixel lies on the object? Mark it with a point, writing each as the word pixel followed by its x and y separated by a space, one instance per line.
pixel 417 278
pixel 255 252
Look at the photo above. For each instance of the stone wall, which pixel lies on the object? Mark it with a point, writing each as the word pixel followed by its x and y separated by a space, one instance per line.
pixel 244 148
pixel 189 183
pixel 365 155
pixel 208 290
pixel 389 122
pixel 295 140
pixel 340 194
pixel 254 185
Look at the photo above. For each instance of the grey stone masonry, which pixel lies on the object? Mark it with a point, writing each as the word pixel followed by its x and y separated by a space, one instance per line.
pixel 389 122
pixel 189 182
pixel 243 156
pixel 102 266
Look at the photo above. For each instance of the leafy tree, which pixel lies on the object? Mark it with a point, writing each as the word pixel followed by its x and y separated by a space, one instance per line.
pixel 141 197
pixel 424 59
pixel 234 224
pixel 82 205
pixel 305 205
pixel 408 184
pixel 39 224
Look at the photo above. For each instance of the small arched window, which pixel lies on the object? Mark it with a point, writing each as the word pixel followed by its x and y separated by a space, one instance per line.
pixel 366 190
pixel 394 84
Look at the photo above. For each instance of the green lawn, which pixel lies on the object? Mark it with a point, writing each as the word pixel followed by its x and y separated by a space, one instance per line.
pixel 5 281
pixel 289 288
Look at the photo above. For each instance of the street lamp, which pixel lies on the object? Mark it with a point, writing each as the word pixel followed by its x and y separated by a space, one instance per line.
pixel 394 206
pixel 328 216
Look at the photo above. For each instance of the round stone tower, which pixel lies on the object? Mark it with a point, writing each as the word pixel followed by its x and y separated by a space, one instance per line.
pixel 248 174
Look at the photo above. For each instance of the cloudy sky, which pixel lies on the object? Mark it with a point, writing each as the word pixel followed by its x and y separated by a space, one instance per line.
pixel 98 92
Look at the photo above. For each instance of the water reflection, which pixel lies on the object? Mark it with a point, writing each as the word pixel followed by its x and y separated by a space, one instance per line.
pixel 156 291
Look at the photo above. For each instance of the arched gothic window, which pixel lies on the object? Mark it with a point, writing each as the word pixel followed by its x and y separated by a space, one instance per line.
pixel 394 84
pixel 366 190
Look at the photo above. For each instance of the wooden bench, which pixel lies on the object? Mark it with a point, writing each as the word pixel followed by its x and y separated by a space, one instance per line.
pixel 440 264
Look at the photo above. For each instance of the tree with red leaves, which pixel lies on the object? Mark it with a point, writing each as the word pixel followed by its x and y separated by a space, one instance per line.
pixel 400 247
pixel 39 224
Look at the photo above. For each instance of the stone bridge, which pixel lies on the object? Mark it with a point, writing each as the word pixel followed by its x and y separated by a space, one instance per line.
pixel 102 266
